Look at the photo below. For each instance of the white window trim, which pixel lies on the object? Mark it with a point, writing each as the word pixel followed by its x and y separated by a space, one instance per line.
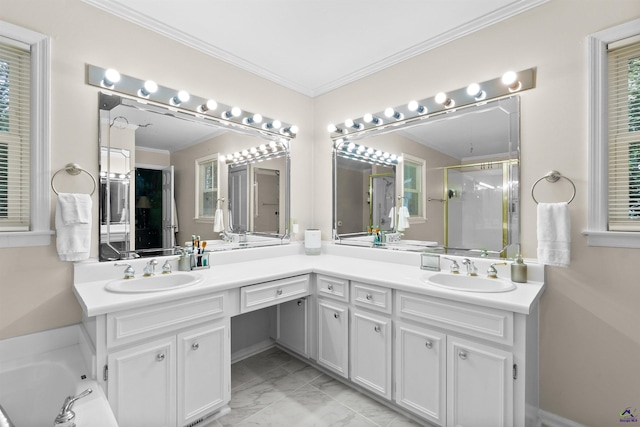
pixel 597 232
pixel 423 193
pixel 206 159
pixel 40 198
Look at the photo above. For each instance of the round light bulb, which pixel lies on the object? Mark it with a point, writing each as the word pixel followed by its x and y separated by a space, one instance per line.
pixel 263 147
pixel 413 105
pixel 111 76
pixel 211 104
pixel 276 124
pixel 389 112
pixel 360 148
pixel 236 154
pixel 148 88
pixel 245 152
pixel 257 118
pixel 441 98
pixel 370 150
pixel 235 112
pixel 368 118
pixel 473 89
pixel 509 78
pixel 351 146
pixel 293 129
pixel 183 96
pixel 349 123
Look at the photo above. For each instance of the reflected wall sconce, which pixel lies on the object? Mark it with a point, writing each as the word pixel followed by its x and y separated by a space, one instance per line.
pixel 351 150
pixel 442 103
pixel 150 92
pixel 261 153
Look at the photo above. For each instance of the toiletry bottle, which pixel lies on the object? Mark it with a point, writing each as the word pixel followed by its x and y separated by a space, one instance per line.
pixel 519 270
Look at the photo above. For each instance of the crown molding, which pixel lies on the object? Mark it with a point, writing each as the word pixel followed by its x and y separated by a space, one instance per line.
pixel 125 12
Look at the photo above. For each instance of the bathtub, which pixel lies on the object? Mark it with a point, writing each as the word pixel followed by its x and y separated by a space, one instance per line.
pixel 37 373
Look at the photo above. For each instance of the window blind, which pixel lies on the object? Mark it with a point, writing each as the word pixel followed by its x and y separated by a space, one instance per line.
pixel 15 111
pixel 624 135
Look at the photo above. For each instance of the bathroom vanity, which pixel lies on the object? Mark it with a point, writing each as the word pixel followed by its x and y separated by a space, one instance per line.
pixel 367 317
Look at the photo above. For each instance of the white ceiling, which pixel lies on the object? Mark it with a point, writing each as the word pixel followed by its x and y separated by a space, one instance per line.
pixel 314 46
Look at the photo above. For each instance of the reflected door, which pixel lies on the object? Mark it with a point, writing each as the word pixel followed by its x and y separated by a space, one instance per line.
pixel 266 193
pixel 169 223
pixel 238 199
pixel 383 192
pixel 476 206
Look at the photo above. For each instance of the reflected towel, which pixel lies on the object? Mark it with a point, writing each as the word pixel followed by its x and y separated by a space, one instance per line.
pixel 218 221
pixel 392 217
pixel 403 218
pixel 73 239
pixel 554 234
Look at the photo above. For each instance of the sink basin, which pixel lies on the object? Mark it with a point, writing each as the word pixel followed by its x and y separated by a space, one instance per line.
pixel 469 283
pixel 157 283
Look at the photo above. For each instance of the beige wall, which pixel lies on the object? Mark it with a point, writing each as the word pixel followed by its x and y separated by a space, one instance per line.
pixel 36 288
pixel 590 315
pixel 589 341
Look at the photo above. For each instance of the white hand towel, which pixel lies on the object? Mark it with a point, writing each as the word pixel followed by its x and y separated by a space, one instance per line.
pixel 554 234
pixel 403 218
pixel 392 217
pixel 73 240
pixel 218 221
pixel 75 208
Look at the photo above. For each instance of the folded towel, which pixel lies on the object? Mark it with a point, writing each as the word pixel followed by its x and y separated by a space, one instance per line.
pixel 392 217
pixel 403 218
pixel 73 239
pixel 218 221
pixel 75 208
pixel 554 234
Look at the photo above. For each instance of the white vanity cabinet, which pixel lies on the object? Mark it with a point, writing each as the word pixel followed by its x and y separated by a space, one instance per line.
pixel 333 336
pixel 165 364
pixel 293 326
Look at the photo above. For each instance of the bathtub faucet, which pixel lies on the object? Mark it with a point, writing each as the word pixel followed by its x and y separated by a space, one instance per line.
pixel 66 416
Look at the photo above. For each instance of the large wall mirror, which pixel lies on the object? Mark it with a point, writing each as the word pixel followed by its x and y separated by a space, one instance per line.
pixel 166 175
pixel 456 187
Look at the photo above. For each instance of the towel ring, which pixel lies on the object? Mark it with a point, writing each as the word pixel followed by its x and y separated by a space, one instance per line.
pixel 553 176
pixel 73 169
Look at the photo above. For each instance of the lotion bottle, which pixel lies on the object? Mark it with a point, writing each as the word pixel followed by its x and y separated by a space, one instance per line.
pixel 519 269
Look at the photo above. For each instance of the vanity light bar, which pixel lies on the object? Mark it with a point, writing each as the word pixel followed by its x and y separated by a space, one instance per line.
pixel 257 154
pixel 476 93
pixel 151 92
pixel 367 154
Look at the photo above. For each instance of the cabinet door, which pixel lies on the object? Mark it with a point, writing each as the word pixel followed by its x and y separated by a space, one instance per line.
pixel 420 371
pixel 203 371
pixel 333 336
pixel 479 385
pixel 142 384
pixel 371 352
pixel 292 325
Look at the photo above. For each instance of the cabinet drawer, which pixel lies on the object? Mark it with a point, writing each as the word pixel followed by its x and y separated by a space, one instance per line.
pixel 333 287
pixel 135 324
pixel 488 323
pixel 262 295
pixel 371 296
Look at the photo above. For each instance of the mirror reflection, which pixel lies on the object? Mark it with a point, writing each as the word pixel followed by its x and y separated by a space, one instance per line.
pixel 166 176
pixel 455 188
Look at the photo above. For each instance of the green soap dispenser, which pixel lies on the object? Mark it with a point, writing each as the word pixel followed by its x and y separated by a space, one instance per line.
pixel 518 269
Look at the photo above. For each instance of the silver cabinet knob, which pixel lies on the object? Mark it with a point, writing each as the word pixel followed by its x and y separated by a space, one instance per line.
pixel 429 344
pixel 195 346
pixel 462 355
pixel 160 357
pixel 336 315
pixel 369 297
pixel 330 287
pixel 279 292
pixel 377 328
pixel 299 303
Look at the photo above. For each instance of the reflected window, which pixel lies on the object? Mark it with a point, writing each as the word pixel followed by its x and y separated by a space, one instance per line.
pixel 413 185
pixel 207 186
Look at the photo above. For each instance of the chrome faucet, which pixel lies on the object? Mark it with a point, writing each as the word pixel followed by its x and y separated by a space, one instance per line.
pixel 66 416
pixel 454 267
pixel 472 270
pixel 492 273
pixel 150 268
pixel 129 272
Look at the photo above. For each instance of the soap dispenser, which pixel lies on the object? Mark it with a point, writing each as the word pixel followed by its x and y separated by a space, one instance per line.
pixel 518 269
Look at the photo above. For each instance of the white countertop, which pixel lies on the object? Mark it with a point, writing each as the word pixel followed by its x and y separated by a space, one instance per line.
pixel 243 267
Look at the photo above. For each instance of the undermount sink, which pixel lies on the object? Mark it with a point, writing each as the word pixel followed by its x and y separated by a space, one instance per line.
pixel 459 282
pixel 157 283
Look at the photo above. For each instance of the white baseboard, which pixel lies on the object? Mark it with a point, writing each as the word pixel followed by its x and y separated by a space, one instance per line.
pixel 252 350
pixel 547 419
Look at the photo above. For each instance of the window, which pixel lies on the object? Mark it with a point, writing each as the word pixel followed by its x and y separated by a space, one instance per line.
pixel 24 138
pixel 414 183
pixel 206 187
pixel 614 137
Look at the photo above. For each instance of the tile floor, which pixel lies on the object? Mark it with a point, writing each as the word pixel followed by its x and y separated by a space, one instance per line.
pixel 275 389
